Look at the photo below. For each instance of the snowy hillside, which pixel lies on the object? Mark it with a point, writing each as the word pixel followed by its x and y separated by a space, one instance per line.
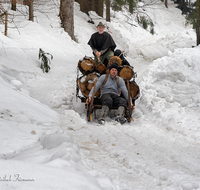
pixel 45 140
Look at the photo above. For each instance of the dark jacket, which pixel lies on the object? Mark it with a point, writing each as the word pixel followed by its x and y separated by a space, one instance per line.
pixel 101 42
pixel 121 56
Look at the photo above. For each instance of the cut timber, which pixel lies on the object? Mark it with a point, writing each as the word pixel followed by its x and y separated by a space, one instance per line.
pixel 86 83
pixel 90 85
pixel 126 72
pixel 107 71
pixel 115 59
pixel 86 65
pixel 134 89
pixel 101 68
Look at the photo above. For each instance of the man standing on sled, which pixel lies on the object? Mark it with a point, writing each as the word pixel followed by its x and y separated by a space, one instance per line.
pixel 110 94
pixel 102 45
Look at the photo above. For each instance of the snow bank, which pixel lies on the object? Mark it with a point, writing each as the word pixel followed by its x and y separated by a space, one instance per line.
pixel 158 46
pixel 23 175
pixel 22 119
pixel 171 88
pixel 174 79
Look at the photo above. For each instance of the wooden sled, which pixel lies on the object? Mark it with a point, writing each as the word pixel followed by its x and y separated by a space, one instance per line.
pixel 89 78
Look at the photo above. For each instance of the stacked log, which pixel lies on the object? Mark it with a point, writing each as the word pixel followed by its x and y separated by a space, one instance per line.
pixel 114 59
pixel 91 72
pixel 101 68
pixel 86 65
pixel 86 82
pixel 134 89
pixel 126 72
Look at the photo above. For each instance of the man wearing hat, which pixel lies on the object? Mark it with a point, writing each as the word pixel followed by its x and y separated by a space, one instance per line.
pixel 102 44
pixel 110 95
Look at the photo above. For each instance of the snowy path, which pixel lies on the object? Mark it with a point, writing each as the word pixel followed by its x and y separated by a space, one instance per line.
pixel 130 155
pixel 159 151
pixel 134 154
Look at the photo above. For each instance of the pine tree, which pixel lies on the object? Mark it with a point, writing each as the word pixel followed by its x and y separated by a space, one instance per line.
pixel 146 22
pixel 132 5
pixel 117 5
pixel 194 19
pixel 45 61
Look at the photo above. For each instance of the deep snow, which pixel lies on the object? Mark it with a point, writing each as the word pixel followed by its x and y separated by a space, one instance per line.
pixel 45 140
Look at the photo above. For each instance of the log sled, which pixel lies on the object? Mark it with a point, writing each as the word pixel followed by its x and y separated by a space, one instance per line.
pixel 89 76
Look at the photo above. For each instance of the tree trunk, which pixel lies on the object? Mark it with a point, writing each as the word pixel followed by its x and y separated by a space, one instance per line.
pixel 108 10
pixel 82 6
pixel 93 5
pixel 79 1
pixel 6 23
pixel 85 6
pixel 13 7
pixel 198 21
pixel 30 10
pixel 98 4
pixel 166 4
pixel 89 5
pixel 100 8
pixel 67 16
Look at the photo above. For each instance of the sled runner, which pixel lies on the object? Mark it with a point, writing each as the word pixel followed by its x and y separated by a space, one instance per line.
pixel 91 73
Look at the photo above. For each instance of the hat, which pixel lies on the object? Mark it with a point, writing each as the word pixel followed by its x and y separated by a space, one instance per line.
pixel 117 52
pixel 101 24
pixel 114 65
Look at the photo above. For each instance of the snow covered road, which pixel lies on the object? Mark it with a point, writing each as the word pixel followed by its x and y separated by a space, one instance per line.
pixel 45 138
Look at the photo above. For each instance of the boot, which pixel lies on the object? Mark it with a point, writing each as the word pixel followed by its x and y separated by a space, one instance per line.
pixel 120 115
pixel 103 114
